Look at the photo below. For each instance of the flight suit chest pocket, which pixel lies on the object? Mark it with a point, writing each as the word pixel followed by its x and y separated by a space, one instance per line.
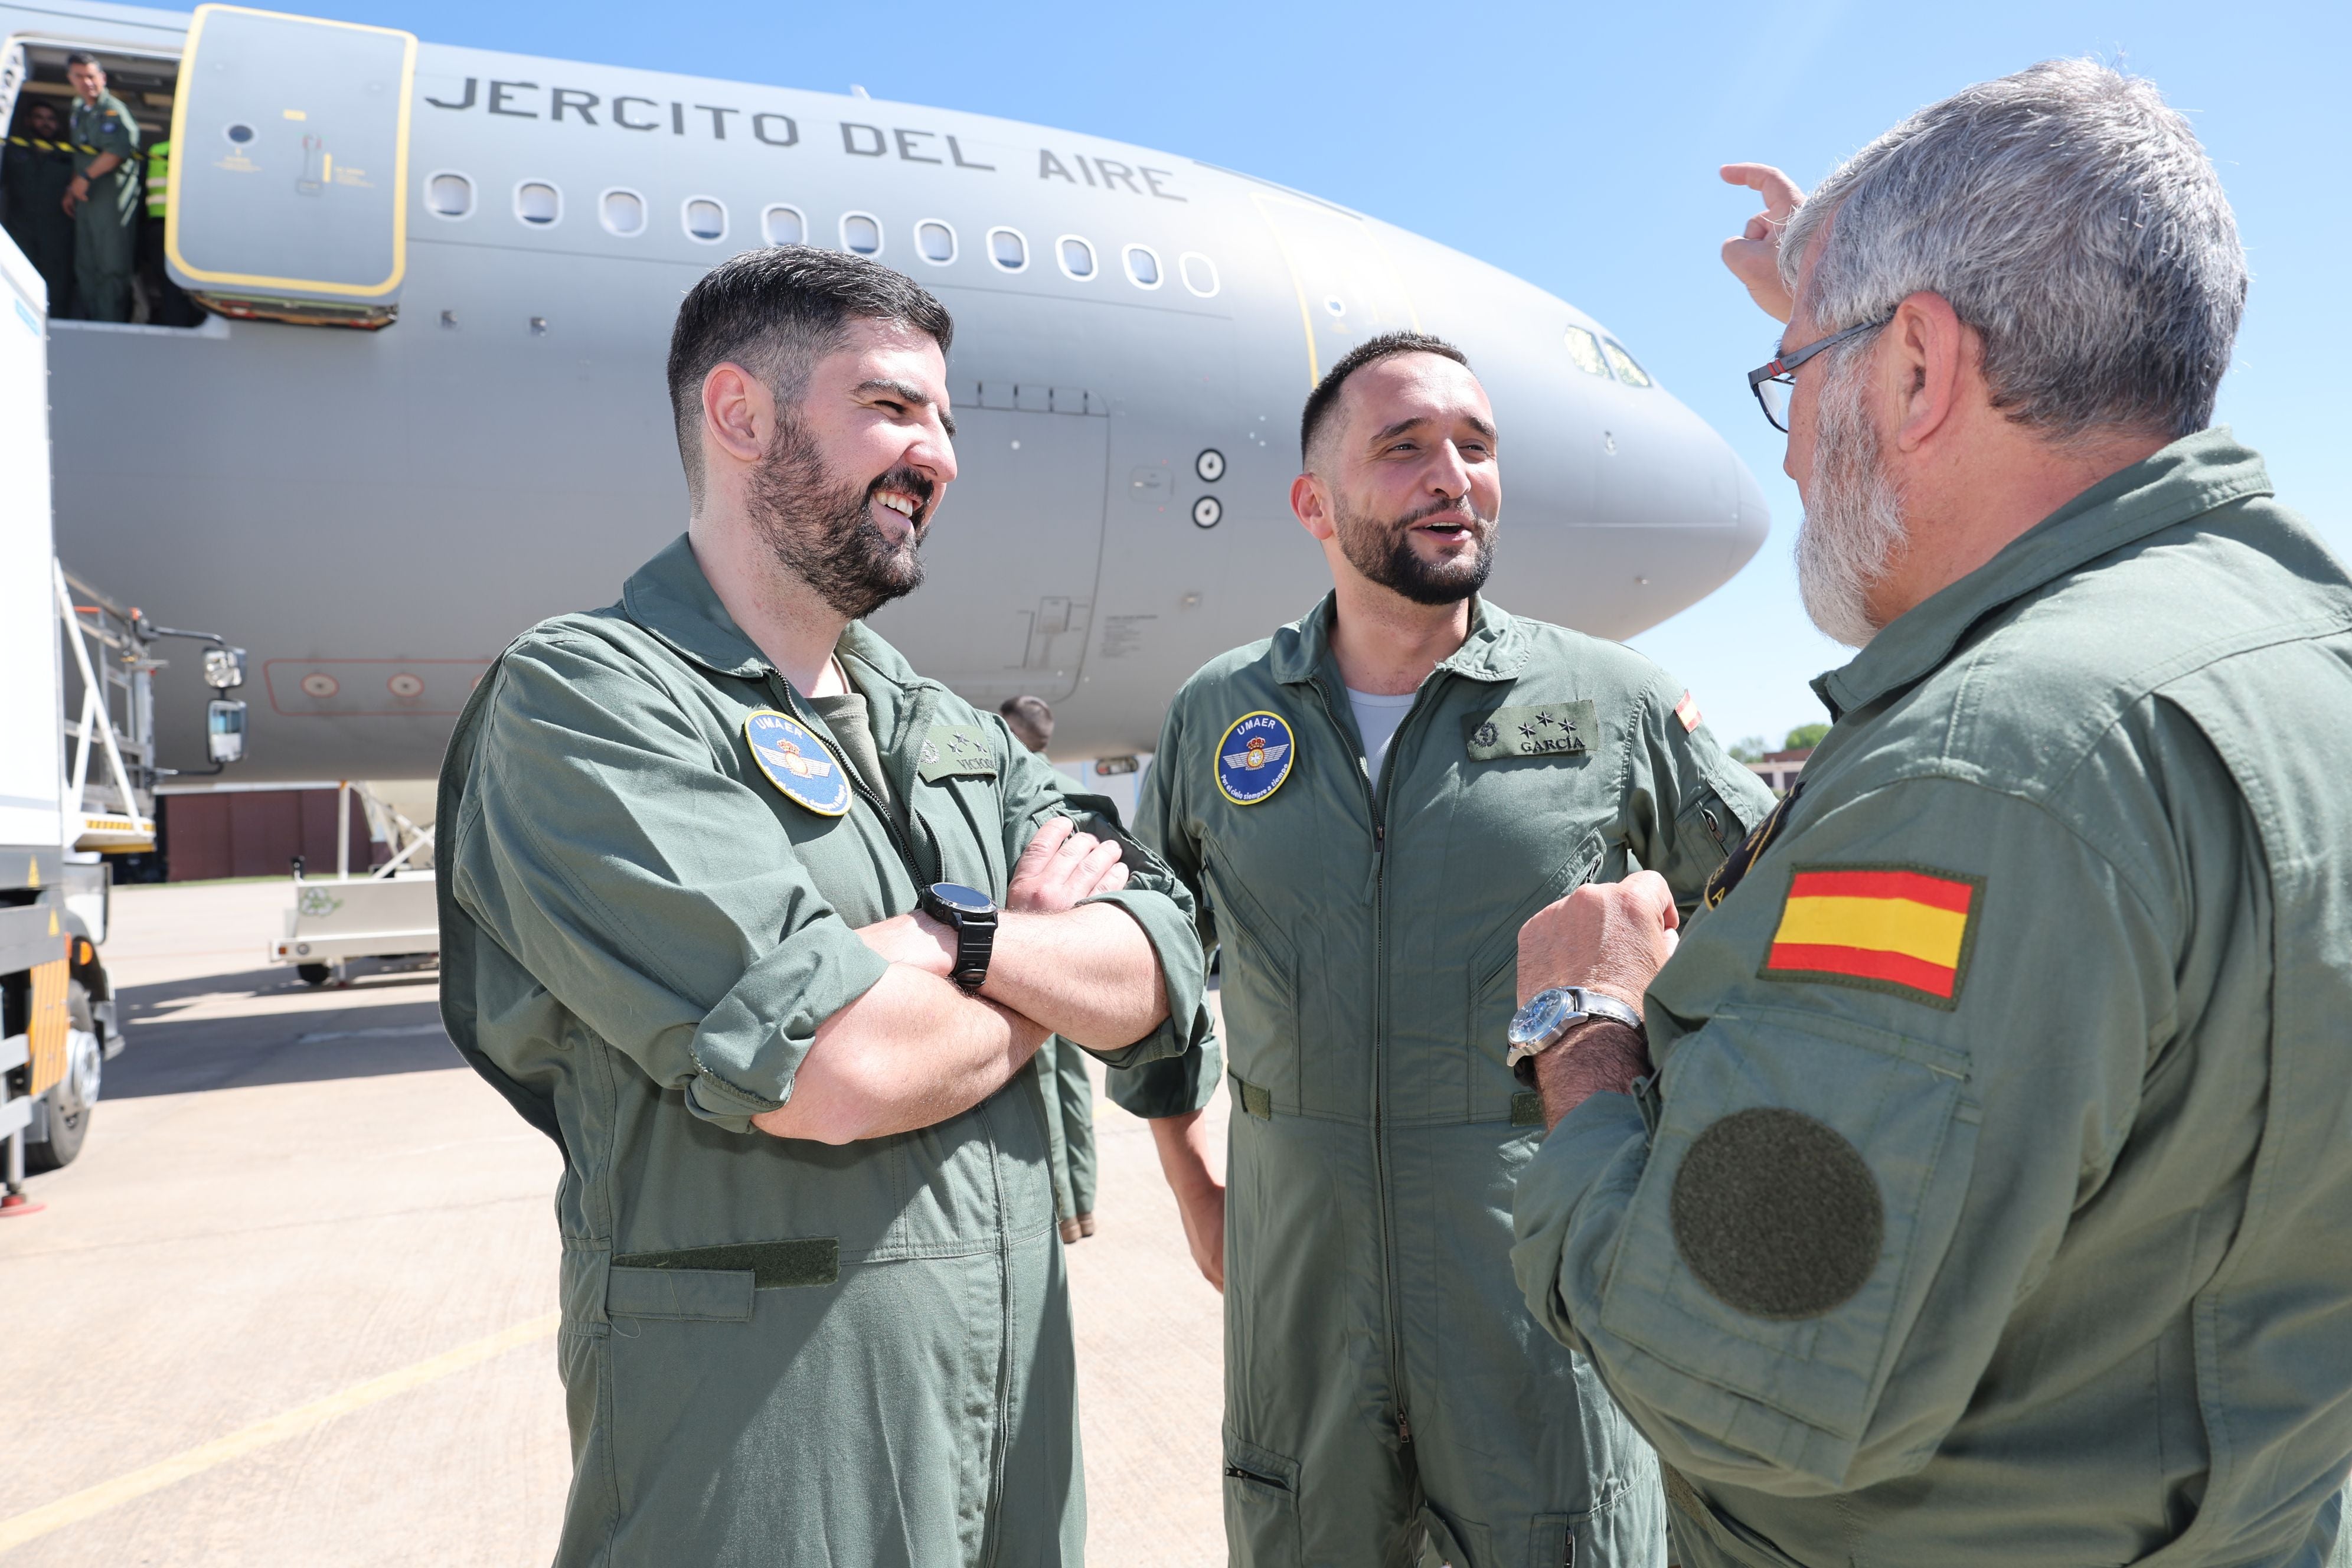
pixel 1258 986
pixel 1786 1250
pixel 1493 974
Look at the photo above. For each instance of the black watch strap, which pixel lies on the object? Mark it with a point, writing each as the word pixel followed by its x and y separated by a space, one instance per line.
pixel 975 940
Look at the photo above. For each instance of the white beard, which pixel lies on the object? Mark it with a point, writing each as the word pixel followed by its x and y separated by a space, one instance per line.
pixel 1853 524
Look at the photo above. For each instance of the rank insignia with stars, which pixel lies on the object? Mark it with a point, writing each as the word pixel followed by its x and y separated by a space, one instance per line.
pixel 1544 729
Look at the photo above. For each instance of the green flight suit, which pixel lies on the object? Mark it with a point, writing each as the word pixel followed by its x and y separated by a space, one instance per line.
pixel 1381 1379
pixel 1995 1200
pixel 1069 1091
pixel 33 174
pixel 103 231
pixel 772 1350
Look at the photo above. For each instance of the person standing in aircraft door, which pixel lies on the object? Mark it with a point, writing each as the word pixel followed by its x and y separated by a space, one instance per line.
pixel 33 181
pixel 103 199
pixel 762 927
pixel 1990 1199
pixel 1371 801
pixel 1062 1075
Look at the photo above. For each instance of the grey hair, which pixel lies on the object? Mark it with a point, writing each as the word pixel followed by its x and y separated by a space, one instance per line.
pixel 2070 216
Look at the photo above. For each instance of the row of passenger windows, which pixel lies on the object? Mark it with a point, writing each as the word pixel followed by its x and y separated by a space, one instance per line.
pixel 704 219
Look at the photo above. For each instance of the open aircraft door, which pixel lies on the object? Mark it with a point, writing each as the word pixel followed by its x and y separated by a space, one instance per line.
pixel 290 190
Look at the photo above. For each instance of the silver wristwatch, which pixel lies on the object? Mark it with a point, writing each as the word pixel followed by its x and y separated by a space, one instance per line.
pixel 1552 1013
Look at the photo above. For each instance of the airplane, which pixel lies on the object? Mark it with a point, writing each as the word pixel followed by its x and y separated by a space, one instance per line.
pixel 426 407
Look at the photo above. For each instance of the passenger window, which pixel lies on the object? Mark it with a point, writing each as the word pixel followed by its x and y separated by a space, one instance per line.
pixel 538 203
pixel 705 219
pixel 1077 255
pixel 622 213
pixel 861 233
pixel 1620 361
pixel 936 240
pixel 1143 267
pixel 1008 249
pixel 449 195
pixel 1200 274
pixel 1585 350
pixel 780 224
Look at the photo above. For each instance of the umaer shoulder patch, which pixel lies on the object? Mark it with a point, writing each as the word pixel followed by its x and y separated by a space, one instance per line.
pixel 796 762
pixel 1687 712
pixel 953 749
pixel 1254 757
pixel 1544 729
pixel 1904 930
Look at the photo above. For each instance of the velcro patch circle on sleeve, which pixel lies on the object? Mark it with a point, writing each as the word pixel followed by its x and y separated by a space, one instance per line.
pixel 796 762
pixel 1777 1214
pixel 1254 757
pixel 1904 930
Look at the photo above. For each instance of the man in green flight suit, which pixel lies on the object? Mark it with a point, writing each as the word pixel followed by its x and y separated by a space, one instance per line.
pixel 103 199
pixel 718 914
pixel 1062 1075
pixel 36 170
pixel 1991 1200
pixel 1371 801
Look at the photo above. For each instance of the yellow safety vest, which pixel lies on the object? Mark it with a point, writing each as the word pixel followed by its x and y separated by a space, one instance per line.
pixel 159 178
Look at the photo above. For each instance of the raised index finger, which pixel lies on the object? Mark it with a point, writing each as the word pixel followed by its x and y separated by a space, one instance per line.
pixel 1782 196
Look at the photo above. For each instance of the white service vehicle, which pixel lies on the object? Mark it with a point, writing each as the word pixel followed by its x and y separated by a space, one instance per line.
pixel 63 810
pixel 387 915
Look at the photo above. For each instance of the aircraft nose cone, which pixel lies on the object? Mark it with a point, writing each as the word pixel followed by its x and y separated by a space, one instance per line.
pixel 1620 505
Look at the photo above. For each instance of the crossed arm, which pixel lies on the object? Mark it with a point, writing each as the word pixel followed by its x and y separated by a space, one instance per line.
pixel 915 1050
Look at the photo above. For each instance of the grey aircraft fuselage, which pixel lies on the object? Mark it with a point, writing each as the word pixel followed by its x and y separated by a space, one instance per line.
pixel 374 514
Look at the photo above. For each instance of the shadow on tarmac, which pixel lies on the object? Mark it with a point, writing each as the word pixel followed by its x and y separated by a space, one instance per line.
pixel 274 1043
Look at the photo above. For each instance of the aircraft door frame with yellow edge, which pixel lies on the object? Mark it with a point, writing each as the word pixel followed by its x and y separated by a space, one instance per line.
pixel 289 178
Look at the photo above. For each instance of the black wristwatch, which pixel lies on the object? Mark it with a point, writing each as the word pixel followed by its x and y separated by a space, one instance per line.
pixel 971 915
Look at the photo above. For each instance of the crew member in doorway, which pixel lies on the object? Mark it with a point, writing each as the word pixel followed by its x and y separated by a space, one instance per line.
pixel 103 199
pixel 168 304
pixel 1061 1066
pixel 33 174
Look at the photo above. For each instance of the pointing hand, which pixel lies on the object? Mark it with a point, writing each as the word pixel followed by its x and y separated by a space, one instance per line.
pixel 1754 257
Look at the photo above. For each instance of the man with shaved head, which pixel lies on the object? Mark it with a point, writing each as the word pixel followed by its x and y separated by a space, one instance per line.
pixel 1366 804
pixel 1980 1190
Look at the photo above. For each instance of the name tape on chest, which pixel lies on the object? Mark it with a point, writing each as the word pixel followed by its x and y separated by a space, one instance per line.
pixel 1545 729
pixel 1254 756
pixel 796 762
pixel 1905 930
pixel 952 751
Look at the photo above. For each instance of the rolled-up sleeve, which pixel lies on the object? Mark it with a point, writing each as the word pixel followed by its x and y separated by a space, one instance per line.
pixel 651 893
pixel 1154 898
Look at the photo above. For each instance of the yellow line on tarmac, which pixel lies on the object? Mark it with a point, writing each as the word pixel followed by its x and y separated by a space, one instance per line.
pixel 94 1501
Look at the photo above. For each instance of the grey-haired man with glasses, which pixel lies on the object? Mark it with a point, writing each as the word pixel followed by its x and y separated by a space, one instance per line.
pixel 1979 1185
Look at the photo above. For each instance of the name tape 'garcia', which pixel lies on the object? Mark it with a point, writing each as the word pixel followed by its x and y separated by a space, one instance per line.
pixel 1546 729
pixel 796 762
pixel 1255 757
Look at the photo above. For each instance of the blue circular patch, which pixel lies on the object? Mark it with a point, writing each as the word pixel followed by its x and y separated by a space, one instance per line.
pixel 1255 757
pixel 796 762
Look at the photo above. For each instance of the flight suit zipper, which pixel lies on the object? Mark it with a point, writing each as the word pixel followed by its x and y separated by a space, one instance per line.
pixel 1376 805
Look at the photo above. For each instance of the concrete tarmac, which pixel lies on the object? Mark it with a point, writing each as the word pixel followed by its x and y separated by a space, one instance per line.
pixel 293 1304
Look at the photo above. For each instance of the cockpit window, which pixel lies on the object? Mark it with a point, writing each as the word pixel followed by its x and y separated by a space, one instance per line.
pixel 705 219
pixel 622 213
pixel 861 233
pixel 449 195
pixel 1620 361
pixel 1585 350
pixel 538 203
pixel 1078 256
pixel 935 241
pixel 1008 249
pixel 1143 267
pixel 780 224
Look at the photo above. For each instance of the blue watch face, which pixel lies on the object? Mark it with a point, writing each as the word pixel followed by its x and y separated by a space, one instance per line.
pixel 963 900
pixel 1541 1015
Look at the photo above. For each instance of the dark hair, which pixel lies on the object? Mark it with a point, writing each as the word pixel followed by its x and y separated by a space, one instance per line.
pixel 775 312
pixel 80 60
pixel 1031 719
pixel 1326 396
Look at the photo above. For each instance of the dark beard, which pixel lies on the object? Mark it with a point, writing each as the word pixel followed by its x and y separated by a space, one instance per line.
pixel 822 529
pixel 1384 552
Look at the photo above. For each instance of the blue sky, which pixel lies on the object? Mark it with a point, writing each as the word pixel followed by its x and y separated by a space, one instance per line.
pixel 1576 145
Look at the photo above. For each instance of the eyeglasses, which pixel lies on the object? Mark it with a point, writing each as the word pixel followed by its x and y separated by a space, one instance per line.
pixel 1776 382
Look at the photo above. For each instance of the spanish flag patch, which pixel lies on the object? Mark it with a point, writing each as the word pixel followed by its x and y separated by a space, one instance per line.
pixel 1896 929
